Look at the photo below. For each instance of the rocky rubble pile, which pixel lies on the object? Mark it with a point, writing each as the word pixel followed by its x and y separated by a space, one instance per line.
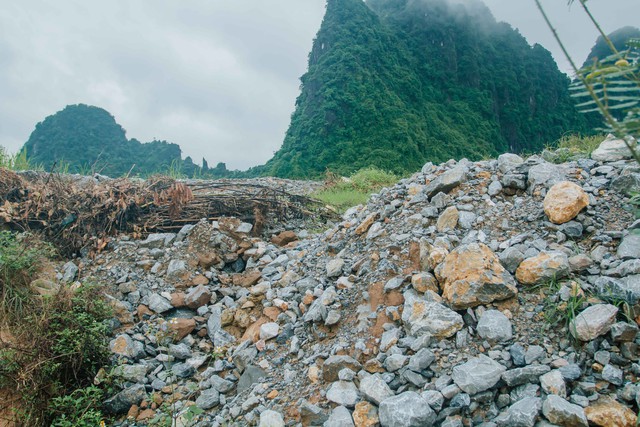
pixel 443 302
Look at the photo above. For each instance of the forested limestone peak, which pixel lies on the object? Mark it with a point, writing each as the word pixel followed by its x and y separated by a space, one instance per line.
pixel 619 38
pixel 396 83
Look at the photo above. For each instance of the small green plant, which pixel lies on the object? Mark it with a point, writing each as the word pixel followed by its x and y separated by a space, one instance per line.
pixel 343 193
pixel 17 161
pixel 175 170
pixel 559 311
pixel 20 256
pixel 78 409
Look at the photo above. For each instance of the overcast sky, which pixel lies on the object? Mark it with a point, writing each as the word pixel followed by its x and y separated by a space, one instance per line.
pixel 218 77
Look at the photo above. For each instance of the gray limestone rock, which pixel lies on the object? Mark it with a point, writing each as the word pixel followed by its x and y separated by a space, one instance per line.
pixel 613 149
pixel 593 322
pixel 208 399
pixel 434 398
pixel 422 316
pixel 630 246
pixel 553 383
pixel 394 362
pixel 407 409
pixel 624 332
pixel 340 417
pixel 478 374
pixel 334 364
pixel 271 418
pixel 421 360
pixel 217 335
pixel 69 272
pixel 375 389
pixel 334 267
pixel 343 393
pixel 527 374
pixel 545 174
pixel 159 304
pixel 157 240
pixel 511 259
pixel 176 268
pixel 121 402
pixel 613 375
pixel 494 326
pixel 446 182
pixel 494 188
pixel 251 375
pixel 523 413
pixel 508 161
pixel 559 411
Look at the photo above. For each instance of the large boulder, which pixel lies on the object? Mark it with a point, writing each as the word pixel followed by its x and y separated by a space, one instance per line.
pixel 564 201
pixel 472 275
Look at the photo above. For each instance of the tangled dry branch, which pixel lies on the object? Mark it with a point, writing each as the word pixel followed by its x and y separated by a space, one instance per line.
pixel 81 212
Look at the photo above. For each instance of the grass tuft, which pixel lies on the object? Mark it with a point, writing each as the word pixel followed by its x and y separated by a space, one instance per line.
pixel 342 193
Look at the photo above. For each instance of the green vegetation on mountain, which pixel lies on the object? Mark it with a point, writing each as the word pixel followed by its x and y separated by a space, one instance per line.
pixel 396 83
pixel 83 138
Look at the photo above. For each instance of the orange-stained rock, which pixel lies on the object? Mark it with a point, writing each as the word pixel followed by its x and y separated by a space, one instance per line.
pixel 472 275
pixel 564 201
pixel 200 280
pixel 448 219
pixel 313 374
pixel 247 279
pixel 284 238
pixel 121 312
pixel 431 256
pixel 373 366
pixel 423 282
pixel 147 414
pixel 271 312
pixel 253 331
pixel 273 394
pixel 134 410
pixel 207 260
pixel 607 412
pixel 367 223
pixel 180 328
pixel 365 415
pixel 177 299
pixel 143 310
pixel 542 267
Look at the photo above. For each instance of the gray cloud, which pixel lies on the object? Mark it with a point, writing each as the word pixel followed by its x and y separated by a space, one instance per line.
pixel 218 77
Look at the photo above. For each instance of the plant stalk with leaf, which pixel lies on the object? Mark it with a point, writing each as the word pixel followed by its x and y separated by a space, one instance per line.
pixel 611 86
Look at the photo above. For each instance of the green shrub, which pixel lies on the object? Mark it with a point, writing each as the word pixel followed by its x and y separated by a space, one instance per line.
pixel 56 345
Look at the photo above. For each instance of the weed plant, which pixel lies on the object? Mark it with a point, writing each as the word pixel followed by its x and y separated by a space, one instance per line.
pixel 51 346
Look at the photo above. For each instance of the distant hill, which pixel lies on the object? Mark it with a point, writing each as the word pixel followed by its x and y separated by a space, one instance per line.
pixel 619 38
pixel 85 138
pixel 396 83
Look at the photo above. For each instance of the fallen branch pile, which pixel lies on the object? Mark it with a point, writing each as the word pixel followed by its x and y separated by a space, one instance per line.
pixel 81 212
